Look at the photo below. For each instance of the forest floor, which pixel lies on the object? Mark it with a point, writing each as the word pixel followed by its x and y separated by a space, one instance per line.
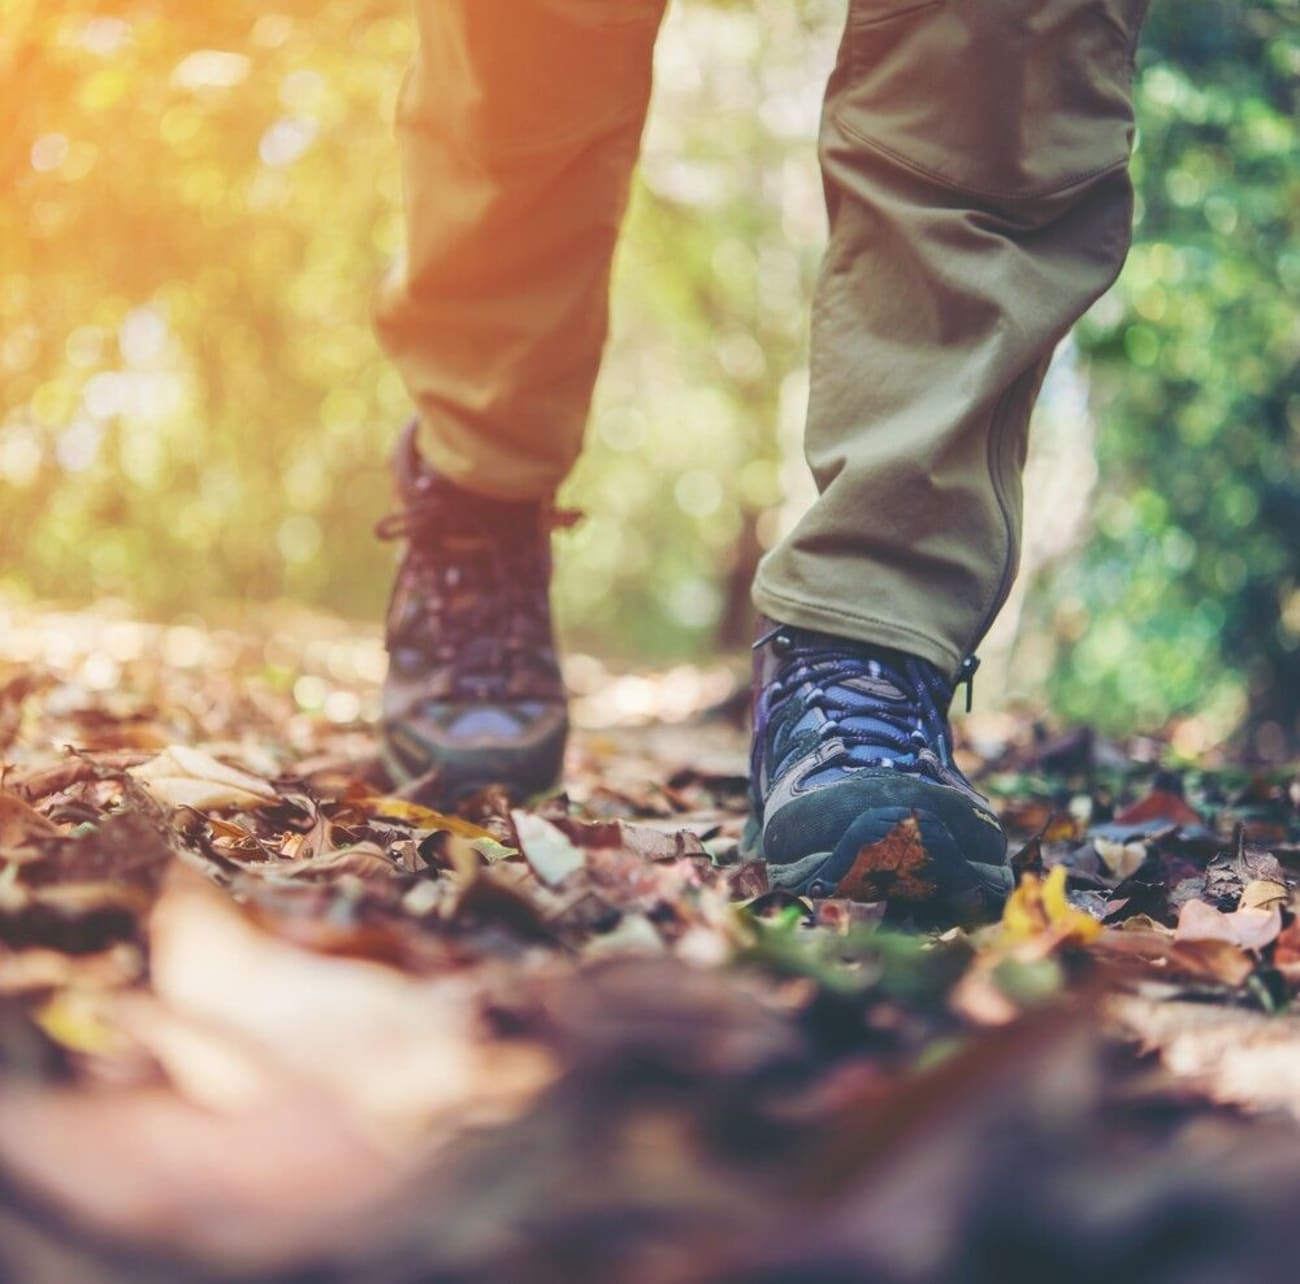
pixel 261 1019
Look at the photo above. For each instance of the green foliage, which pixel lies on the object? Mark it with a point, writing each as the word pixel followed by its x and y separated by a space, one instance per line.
pixel 1189 593
pixel 193 406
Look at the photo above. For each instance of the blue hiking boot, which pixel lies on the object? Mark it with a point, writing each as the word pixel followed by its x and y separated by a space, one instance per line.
pixel 854 789
pixel 474 695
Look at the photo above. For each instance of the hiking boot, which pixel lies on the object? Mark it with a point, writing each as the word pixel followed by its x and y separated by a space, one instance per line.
pixel 854 789
pixel 474 695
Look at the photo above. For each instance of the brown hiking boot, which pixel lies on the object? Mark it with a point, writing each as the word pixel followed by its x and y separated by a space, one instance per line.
pixel 474 695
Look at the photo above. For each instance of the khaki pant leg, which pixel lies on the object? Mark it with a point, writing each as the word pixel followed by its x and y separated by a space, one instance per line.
pixel 975 155
pixel 520 123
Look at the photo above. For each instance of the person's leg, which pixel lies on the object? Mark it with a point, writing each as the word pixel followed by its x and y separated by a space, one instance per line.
pixel 520 123
pixel 975 155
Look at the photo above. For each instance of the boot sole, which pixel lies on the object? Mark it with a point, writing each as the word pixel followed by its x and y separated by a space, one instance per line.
pixel 906 857
pixel 443 785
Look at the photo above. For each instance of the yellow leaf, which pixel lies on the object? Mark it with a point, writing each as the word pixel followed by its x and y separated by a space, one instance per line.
pixel 73 1020
pixel 1040 907
pixel 1264 893
pixel 422 817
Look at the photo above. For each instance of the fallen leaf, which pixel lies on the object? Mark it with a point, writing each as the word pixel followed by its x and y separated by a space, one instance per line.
pixel 635 934
pixel 1264 893
pixel 1249 929
pixel 146 1166
pixel 1122 860
pixel 1029 859
pixel 361 860
pixel 1040 908
pixel 1286 952
pixel 21 825
pixel 1216 961
pixel 646 841
pixel 1228 873
pixel 420 817
pixel 34 970
pixel 182 776
pixel 547 850
pixel 748 880
pixel 1160 808
pixel 892 869
pixel 1143 923
pixel 1238 1055
pixel 77 1021
pixel 78 918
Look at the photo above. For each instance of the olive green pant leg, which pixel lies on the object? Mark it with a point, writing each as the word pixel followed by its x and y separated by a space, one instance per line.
pixel 520 123
pixel 975 157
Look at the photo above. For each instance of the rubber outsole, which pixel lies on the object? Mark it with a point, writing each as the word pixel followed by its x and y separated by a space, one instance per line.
pixel 444 784
pixel 905 857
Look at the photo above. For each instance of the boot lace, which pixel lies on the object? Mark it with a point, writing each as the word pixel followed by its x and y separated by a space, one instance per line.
pixel 877 707
pixel 471 606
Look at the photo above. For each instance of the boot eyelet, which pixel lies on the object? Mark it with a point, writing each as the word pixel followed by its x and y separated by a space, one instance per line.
pixel 782 645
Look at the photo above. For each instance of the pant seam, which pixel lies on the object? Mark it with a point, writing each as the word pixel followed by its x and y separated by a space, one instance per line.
pixel 993 461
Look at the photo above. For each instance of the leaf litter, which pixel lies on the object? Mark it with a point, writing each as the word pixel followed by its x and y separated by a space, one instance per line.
pixel 263 1019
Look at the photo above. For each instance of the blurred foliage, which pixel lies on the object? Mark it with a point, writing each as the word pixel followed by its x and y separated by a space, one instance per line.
pixel 198 203
pixel 198 200
pixel 193 405
pixel 1187 595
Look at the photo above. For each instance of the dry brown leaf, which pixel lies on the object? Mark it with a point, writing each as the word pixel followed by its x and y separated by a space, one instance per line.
pixel 645 841
pixel 361 860
pixel 1249 929
pixel 182 776
pixel 21 826
pixel 1217 961
pixel 892 869
pixel 33 970
pixel 1160 806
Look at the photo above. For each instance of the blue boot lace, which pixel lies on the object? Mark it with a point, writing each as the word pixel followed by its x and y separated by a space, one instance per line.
pixel 855 706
